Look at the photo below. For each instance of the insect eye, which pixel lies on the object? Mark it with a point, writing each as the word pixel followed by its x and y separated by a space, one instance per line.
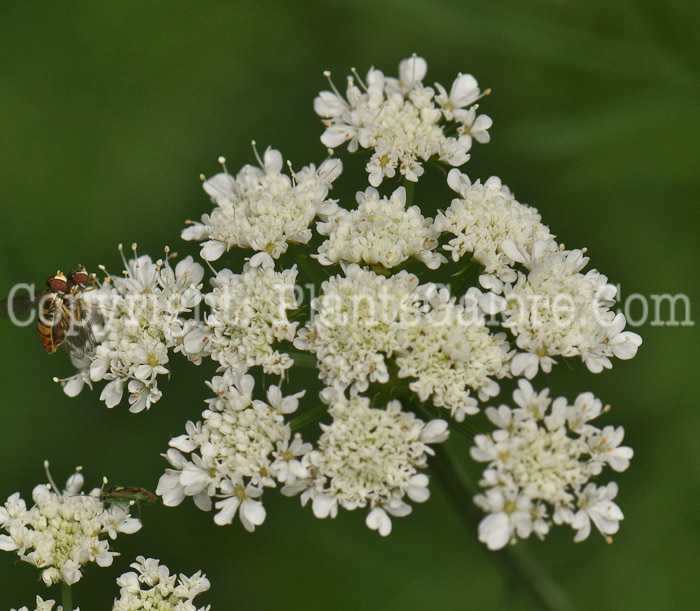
pixel 79 278
pixel 57 284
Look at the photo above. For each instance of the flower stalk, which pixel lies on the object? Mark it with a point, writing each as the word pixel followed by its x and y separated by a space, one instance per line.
pixel 66 597
pixel 517 565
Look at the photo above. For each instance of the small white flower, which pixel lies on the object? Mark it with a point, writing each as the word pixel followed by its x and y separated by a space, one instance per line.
pixel 248 313
pixel 542 457
pixel 288 466
pixel 368 458
pixel 62 532
pixel 483 218
pixel 263 209
pixel 509 514
pixel 240 446
pixel 464 92
pixel 151 586
pixel 596 505
pixel 138 320
pixel 239 496
pixel 473 126
pixel 379 232
pixel 402 122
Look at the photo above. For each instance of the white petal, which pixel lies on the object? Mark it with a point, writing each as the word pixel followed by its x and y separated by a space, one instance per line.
pixel 212 250
pixel 324 506
pixel 378 520
pixel 112 393
pixel 625 345
pixel 74 386
pixel 494 531
pixel 228 508
pixel 262 260
pixel 252 514
pixel 435 431
pixel 525 364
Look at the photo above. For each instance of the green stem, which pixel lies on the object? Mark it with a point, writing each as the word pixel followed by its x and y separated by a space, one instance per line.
pixel 466 428
pixel 437 165
pixel 467 277
pixel 66 597
pixel 520 567
pixel 410 189
pixel 313 270
pixel 303 359
pixel 308 417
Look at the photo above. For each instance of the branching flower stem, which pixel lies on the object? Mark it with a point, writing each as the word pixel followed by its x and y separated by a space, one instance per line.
pixel 519 566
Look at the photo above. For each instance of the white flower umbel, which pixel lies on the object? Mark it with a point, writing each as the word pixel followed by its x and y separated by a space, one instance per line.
pixel 379 338
pixel 359 320
pixel 151 586
pixel 237 449
pixel 262 208
pixel 43 605
pixel 555 310
pixel 368 458
pixel 483 218
pixel 450 351
pixel 138 320
pixel 63 531
pixel 380 231
pixel 248 315
pixel 403 122
pixel 541 459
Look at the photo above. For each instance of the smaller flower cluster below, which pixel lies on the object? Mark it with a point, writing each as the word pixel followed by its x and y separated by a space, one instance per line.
pixel 63 531
pixel 44 605
pixel 540 463
pixel 151 586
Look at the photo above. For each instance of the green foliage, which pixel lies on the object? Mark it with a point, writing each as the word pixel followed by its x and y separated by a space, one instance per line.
pixel 109 112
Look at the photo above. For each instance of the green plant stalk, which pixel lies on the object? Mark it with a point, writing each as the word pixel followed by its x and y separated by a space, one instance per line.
pixel 66 597
pixel 410 189
pixel 520 567
pixel 303 359
pixel 313 270
pixel 312 415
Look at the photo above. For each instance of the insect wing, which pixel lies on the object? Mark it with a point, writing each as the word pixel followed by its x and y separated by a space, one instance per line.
pixel 79 339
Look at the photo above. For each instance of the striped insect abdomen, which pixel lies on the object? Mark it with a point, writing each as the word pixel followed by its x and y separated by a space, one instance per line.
pixel 52 331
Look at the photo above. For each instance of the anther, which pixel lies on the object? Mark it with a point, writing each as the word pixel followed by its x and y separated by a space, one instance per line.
pixel 327 74
pixel 254 144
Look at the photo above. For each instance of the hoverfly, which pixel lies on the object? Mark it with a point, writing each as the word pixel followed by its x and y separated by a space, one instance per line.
pixel 62 317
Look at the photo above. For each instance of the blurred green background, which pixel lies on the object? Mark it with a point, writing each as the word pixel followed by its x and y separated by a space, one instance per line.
pixel 110 111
